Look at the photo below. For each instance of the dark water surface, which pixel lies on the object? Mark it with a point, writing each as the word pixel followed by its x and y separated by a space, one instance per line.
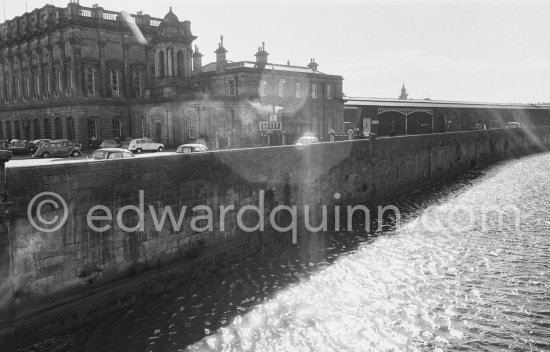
pixel 447 280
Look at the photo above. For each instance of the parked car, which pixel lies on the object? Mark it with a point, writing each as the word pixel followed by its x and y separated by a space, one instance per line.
pixel 56 149
pixel 34 145
pixel 111 153
pixel 191 148
pixel 108 143
pixel 144 144
pixel 19 146
pixel 307 140
pixel 512 124
pixel 125 143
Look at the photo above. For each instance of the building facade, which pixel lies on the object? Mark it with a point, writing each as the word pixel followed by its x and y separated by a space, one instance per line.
pixel 91 74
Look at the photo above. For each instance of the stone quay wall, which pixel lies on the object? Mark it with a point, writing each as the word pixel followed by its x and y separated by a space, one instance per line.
pixel 67 277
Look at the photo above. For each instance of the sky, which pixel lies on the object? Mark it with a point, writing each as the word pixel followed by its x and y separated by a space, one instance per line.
pixel 484 51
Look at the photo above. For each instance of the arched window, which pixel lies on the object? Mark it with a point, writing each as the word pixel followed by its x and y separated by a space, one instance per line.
pixel 26 130
pixel 47 129
pixel 36 129
pixel 161 64
pixel 8 130
pixel 58 128
pixel 70 128
pixel 17 129
pixel 180 63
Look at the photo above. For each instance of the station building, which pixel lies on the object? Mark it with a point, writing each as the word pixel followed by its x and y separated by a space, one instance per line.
pixel 92 74
pixel 416 116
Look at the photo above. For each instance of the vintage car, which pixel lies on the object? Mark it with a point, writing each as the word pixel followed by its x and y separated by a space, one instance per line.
pixel 56 149
pixel 19 146
pixel 191 148
pixel 111 153
pixel 34 145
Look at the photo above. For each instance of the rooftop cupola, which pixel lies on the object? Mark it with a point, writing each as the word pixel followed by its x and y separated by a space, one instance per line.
pixel 313 65
pixel 261 56
pixel 172 30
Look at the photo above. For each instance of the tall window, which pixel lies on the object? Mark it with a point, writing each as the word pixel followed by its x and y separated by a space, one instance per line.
pixel 161 64
pixel 298 90
pixel 232 87
pixel 89 82
pixel 115 86
pixel 8 130
pixel 92 129
pixel 25 87
pixel 117 131
pixel 70 128
pixel 314 91
pixel 329 91
pixel 17 89
pixel 47 129
pixel 57 129
pixel 1 129
pixel 9 88
pixel 17 129
pixel 282 88
pixel 263 88
pixel 36 128
pixel 138 91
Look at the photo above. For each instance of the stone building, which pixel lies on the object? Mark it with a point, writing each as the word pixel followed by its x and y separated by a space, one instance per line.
pixel 91 74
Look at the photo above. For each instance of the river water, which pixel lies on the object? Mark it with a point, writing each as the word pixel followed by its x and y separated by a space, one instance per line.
pixel 446 279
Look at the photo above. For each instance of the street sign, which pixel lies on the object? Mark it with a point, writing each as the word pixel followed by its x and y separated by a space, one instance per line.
pixel 271 126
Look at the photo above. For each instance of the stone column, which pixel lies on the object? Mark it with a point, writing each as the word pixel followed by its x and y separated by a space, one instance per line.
pixel 7 308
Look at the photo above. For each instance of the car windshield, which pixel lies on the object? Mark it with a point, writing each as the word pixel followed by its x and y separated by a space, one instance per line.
pixel 100 154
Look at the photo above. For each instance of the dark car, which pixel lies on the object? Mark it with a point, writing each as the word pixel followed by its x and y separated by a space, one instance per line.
pixel 19 146
pixel 34 145
pixel 111 153
pixel 56 149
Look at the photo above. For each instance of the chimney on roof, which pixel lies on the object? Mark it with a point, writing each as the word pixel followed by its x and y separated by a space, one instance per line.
pixel 221 59
pixel 313 65
pixel 261 57
pixel 197 61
